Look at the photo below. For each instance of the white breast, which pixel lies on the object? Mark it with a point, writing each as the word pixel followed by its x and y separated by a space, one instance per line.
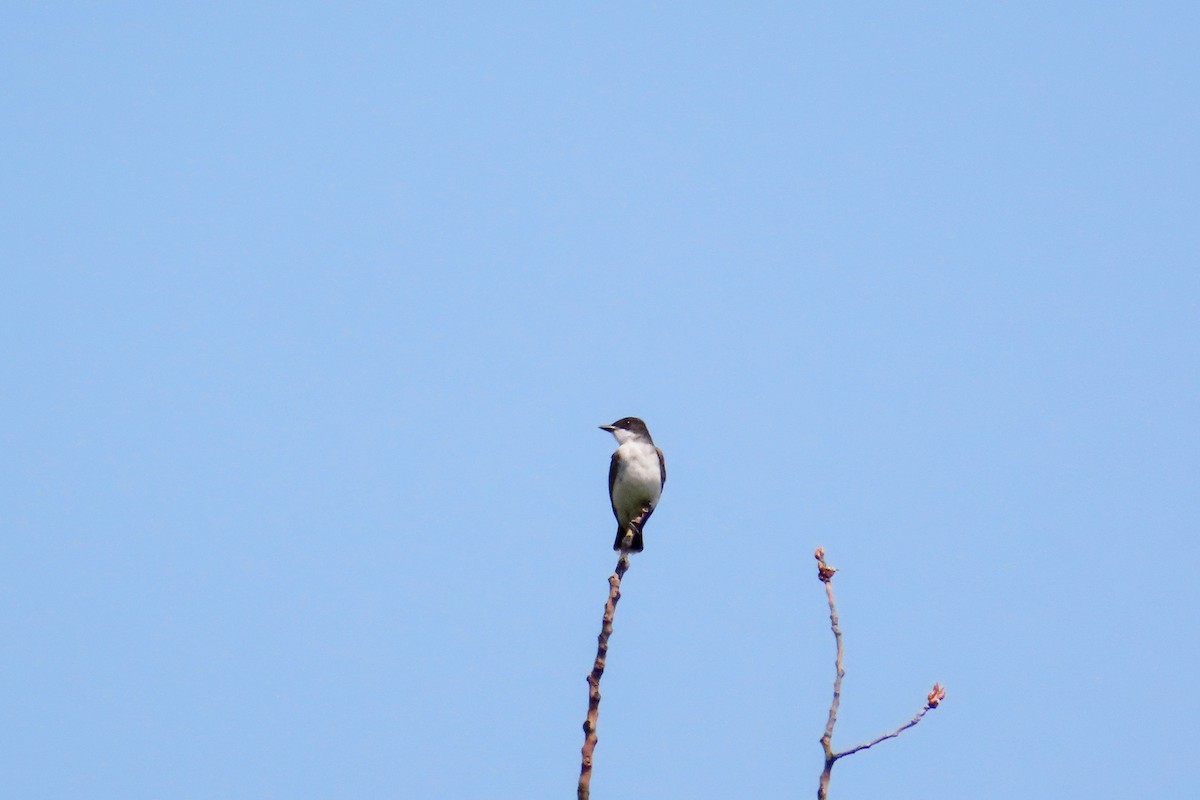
pixel 639 482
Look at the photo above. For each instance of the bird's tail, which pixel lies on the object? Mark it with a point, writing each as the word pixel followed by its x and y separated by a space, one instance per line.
pixel 636 546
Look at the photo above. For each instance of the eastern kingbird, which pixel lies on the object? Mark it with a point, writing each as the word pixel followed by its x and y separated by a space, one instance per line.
pixel 636 476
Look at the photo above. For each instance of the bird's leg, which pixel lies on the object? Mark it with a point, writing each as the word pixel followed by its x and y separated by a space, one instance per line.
pixel 640 520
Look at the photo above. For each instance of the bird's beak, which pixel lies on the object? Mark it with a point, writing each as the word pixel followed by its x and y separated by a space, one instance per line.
pixel 608 428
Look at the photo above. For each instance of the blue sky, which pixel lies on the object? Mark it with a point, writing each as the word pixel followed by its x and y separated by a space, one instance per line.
pixel 311 312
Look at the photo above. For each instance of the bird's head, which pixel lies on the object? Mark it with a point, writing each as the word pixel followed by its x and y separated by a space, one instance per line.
pixel 628 429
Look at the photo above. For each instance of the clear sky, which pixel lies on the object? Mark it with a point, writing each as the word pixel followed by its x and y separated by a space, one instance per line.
pixel 310 313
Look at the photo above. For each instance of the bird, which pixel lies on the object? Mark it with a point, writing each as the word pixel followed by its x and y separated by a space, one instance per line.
pixel 636 476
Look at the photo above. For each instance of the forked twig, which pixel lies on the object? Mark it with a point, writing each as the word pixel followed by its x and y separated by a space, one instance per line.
pixel 936 695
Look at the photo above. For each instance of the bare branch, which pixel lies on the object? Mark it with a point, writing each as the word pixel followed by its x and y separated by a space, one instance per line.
pixel 936 695
pixel 593 679
pixel 825 573
pixel 606 628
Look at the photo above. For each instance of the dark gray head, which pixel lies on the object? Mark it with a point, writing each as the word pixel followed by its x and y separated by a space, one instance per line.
pixel 629 429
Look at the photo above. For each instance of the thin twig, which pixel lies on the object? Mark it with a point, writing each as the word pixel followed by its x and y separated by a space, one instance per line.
pixel 593 679
pixel 589 724
pixel 825 573
pixel 865 745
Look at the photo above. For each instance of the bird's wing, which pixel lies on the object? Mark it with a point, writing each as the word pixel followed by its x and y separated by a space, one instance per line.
pixel 662 471
pixel 612 478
